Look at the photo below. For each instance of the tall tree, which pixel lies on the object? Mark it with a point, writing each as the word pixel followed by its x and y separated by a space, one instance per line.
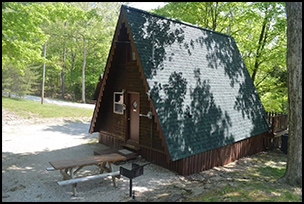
pixel 43 73
pixel 63 63
pixel 83 69
pixel 77 50
pixel 95 43
pixel 293 174
pixel 22 37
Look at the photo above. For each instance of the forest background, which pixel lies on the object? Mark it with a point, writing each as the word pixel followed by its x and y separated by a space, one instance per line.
pixel 76 38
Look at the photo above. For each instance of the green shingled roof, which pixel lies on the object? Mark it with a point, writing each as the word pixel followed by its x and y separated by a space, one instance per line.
pixel 201 89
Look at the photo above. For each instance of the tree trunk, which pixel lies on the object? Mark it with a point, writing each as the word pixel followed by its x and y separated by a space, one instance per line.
pixel 43 74
pixel 214 15
pixel 83 71
pixel 73 59
pixel 293 174
pixel 63 67
pixel 260 48
pixel 62 76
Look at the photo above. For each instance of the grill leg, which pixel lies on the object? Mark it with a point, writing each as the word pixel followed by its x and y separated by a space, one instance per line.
pixel 130 188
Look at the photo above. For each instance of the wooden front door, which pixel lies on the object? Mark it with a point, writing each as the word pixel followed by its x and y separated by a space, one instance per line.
pixel 133 108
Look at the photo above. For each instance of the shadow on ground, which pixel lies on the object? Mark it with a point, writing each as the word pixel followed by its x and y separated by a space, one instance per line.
pixel 71 127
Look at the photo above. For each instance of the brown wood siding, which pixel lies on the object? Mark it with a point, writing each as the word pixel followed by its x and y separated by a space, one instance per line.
pixel 127 78
pixel 117 126
pixel 124 74
pixel 223 155
pixel 203 161
pixel 110 140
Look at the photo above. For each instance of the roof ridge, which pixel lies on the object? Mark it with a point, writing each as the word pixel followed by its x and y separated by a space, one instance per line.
pixel 174 20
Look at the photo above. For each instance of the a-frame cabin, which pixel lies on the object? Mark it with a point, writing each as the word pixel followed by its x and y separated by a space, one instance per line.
pixel 180 93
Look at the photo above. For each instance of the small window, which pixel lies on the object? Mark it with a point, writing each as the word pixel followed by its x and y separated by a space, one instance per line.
pixel 118 106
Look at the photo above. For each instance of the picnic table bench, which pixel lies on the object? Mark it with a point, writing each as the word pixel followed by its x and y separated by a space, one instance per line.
pixel 67 166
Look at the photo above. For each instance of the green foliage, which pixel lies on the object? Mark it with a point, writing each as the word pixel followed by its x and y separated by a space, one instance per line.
pixel 68 36
pixel 26 26
pixel 20 83
pixel 22 37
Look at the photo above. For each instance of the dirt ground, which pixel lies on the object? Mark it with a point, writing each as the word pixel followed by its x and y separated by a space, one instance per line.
pixel 29 144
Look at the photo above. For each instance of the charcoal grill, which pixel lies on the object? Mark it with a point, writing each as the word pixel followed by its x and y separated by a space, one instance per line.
pixel 136 171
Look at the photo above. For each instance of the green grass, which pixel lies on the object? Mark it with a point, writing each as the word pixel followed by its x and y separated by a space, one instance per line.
pixel 271 173
pixel 261 184
pixel 251 192
pixel 29 109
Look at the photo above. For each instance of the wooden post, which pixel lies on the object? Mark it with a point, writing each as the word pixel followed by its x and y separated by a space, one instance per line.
pixel 43 73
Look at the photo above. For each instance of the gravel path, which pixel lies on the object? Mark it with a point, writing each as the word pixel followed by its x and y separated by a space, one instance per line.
pixel 55 101
pixel 28 146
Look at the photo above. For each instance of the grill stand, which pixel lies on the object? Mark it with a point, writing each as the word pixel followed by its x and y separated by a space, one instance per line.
pixel 136 171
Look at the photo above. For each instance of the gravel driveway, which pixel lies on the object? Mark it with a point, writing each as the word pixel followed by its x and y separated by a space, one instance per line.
pixel 54 101
pixel 28 146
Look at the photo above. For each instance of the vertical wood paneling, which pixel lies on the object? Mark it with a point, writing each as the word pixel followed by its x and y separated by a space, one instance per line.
pixel 218 157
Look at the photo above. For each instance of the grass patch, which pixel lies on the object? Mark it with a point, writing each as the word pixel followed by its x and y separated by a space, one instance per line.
pixel 254 182
pixel 29 109
pixel 250 192
pixel 271 173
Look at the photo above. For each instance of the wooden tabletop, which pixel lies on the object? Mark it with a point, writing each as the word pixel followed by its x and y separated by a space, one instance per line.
pixel 85 161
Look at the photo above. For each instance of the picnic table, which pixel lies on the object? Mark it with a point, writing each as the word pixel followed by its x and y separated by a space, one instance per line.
pixel 69 167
